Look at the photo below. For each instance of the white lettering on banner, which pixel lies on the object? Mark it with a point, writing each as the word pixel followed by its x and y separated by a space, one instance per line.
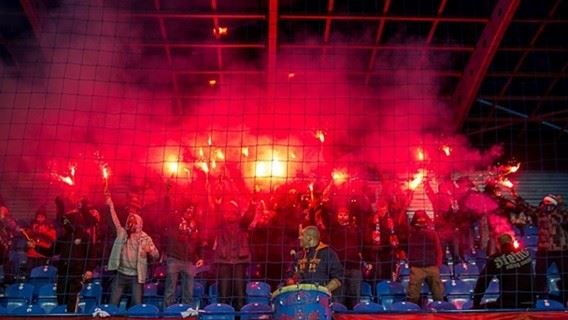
pixel 512 260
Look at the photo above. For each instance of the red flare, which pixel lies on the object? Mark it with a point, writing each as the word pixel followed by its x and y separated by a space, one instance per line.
pixel 447 150
pixel 339 176
pixel 320 136
pixel 417 179
pixel 420 154
pixel 506 183
pixel 67 180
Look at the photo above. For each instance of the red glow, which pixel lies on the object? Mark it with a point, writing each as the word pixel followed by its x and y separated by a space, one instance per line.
pixel 447 150
pixel 291 75
pixel 516 244
pixel 212 82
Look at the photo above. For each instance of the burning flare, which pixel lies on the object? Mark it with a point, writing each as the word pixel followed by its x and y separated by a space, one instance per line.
pixel 339 176
pixel 417 180
pixel 320 135
pixel 447 150
pixel 245 151
pixel 420 154
pixel 507 183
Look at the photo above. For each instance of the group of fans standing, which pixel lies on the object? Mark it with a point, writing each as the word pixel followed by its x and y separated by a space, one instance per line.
pixel 334 236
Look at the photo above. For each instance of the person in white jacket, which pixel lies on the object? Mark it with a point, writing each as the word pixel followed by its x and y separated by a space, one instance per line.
pixel 130 252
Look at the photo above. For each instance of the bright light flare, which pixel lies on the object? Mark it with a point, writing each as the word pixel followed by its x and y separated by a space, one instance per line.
pixel 339 176
pixel 245 151
pixel 320 135
pixel 515 168
pixel 274 168
pixel 516 244
pixel 447 150
pixel 506 183
pixel 220 155
pixel 420 154
pixel 219 31
pixel 212 82
pixel 417 179
pixel 72 170
pixel 66 180
pixel 209 141
pixel 105 172
pixel 172 165
pixel 291 75
pixel 201 153
pixel 202 165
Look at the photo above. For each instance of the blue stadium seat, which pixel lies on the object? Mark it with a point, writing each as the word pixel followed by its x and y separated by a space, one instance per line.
pixel 389 292
pixel 366 292
pixel 492 292
pixel 531 230
pixel 213 294
pixel 458 292
pixel 46 271
pixel 90 296
pixel 151 296
pixel 47 298
pixel 338 307
pixel 32 309
pixel 368 307
pixel 468 305
pixel 60 309
pixel 143 310
pixel 441 306
pixel 42 275
pixel 404 306
pixel 545 304
pixel 218 311
pixel 109 308
pixel 256 311
pixel 530 241
pixel 553 282
pixel 258 291
pixel 198 293
pixel 3 311
pixel 445 272
pixel 175 310
pixel 18 294
pixel 466 270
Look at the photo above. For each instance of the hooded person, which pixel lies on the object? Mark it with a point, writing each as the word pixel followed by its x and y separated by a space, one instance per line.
pixel 130 253
pixel 77 259
pixel 513 268
pixel 424 258
pixel 552 246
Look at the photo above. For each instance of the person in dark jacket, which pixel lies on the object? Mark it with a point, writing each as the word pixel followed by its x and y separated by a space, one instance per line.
pixel 317 263
pixel 232 252
pixel 76 262
pixel 424 258
pixel 184 255
pixel 346 239
pixel 513 268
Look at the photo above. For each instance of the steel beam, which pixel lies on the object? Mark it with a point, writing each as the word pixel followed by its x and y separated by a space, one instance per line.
pixel 378 39
pixel 480 59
